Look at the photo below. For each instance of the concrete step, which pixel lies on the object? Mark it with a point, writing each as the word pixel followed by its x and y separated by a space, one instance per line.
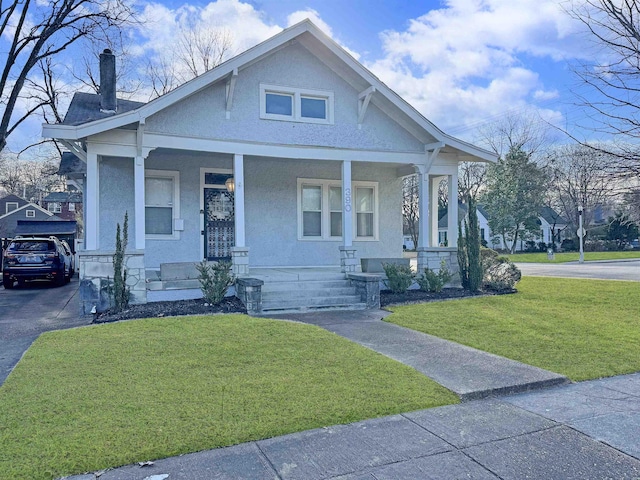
pixel 279 308
pixel 304 285
pixel 296 292
pixel 311 302
pixel 173 285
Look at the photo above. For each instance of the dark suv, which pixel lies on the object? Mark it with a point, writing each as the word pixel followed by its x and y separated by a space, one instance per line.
pixel 30 258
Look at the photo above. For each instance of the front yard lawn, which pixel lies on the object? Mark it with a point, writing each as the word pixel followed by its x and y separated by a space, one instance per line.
pixel 102 396
pixel 583 329
pixel 565 257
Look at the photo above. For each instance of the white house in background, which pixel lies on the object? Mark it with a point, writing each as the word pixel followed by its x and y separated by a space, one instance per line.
pixel 289 155
pixel 552 228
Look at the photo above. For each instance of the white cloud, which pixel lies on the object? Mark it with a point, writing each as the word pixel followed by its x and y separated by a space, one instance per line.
pixel 463 63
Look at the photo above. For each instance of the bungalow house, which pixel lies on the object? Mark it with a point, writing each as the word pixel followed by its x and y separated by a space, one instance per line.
pixel 286 160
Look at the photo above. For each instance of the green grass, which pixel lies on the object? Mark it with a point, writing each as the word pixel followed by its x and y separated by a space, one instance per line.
pixel 90 398
pixel 572 256
pixel 583 329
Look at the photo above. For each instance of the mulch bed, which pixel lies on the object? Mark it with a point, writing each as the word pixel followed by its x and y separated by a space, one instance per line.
pixel 234 305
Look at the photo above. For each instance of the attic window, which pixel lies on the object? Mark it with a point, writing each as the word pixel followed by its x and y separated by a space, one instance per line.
pixel 31 213
pixel 295 104
pixel 11 206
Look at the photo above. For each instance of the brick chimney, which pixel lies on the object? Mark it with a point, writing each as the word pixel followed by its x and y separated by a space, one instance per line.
pixel 108 102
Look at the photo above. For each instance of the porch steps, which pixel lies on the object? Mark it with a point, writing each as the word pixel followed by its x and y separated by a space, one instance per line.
pixel 309 295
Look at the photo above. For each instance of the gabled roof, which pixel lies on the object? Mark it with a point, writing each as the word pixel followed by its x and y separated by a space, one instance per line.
pixel 552 217
pixel 78 126
pixel 85 107
pixel 63 197
pixel 11 198
pixel 28 206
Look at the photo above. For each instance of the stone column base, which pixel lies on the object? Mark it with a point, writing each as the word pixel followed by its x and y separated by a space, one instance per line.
pixel 240 261
pixel 96 278
pixel 348 260
pixel 432 257
pixel 249 291
pixel 368 287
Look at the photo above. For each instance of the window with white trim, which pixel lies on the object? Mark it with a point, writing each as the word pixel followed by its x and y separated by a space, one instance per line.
pixel 31 214
pixel 162 204
pixel 320 210
pixel 295 104
pixel 55 207
pixel 10 207
pixel 72 207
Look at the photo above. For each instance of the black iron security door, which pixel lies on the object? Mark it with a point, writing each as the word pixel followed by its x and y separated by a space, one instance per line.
pixel 219 224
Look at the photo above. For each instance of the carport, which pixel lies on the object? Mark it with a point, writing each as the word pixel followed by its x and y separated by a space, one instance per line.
pixel 63 229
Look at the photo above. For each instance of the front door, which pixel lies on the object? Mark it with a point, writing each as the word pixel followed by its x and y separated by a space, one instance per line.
pixel 219 224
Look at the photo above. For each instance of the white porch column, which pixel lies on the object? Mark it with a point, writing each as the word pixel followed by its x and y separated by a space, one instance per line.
pixel 238 178
pixel 91 202
pixel 239 252
pixel 423 208
pixel 348 260
pixel 139 195
pixel 452 227
pixel 433 213
pixel 347 210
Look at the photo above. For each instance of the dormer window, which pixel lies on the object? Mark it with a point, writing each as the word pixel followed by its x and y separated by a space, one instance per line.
pixel 295 104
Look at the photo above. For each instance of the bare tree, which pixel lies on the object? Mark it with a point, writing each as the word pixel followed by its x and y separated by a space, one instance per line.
pixel 526 132
pixel 37 32
pixel 471 180
pixel 612 78
pixel 198 50
pixel 580 175
pixel 31 179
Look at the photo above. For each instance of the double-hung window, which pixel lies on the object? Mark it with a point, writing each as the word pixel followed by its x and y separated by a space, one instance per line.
pixel 295 104
pixel 55 207
pixel 320 210
pixel 161 192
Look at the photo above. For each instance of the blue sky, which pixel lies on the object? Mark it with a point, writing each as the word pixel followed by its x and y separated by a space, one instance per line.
pixel 461 63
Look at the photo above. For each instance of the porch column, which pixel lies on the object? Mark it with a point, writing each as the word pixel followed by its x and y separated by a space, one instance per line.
pixel 423 216
pixel 452 227
pixel 239 252
pixel 139 195
pixel 433 214
pixel 348 260
pixel 91 202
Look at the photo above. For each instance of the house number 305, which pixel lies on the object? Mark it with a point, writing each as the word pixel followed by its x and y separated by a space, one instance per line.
pixel 347 200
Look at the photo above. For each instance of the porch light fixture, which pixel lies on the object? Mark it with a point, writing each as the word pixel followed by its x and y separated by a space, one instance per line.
pixel 230 184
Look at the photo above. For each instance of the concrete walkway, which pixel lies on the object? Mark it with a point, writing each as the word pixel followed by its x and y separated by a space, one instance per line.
pixel 586 431
pixel 470 373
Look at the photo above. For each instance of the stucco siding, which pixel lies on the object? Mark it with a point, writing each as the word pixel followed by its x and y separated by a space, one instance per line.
pixel 116 198
pixel 272 213
pixel 203 114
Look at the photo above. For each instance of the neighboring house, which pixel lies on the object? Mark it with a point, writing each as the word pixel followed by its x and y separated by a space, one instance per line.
pixel 11 202
pixel 289 155
pixel 66 205
pixel 28 211
pixel 553 228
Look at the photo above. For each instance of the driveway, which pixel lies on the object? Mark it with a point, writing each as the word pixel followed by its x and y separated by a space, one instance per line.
pixel 605 270
pixel 28 311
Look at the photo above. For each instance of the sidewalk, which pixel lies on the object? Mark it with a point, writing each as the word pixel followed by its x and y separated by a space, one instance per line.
pixel 471 374
pixel 585 431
